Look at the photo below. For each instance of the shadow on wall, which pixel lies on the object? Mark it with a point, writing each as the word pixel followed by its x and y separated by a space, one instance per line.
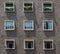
pixel 11 51
pixel 51 16
pixel 50 33
pixel 32 16
pixel 31 51
pixel 12 33
pixel 12 15
pixel 30 33
pixel 51 51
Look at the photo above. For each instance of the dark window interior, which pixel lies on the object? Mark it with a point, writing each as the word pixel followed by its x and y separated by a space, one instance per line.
pixel 29 44
pixel 10 44
pixel 48 45
pixel 27 4
pixel 9 4
pixel 47 4
pixel 46 25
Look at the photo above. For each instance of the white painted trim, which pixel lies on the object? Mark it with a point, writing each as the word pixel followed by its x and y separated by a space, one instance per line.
pixel 47 2
pixel 9 2
pixel 9 40
pixel 28 2
pixel 28 41
pixel 47 21
pixel 49 41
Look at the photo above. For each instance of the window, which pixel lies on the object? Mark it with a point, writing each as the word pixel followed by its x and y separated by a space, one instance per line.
pixel 28 6
pixel 47 6
pixel 9 44
pixel 28 44
pixel 48 44
pixel 47 25
pixel 9 25
pixel 9 7
pixel 28 25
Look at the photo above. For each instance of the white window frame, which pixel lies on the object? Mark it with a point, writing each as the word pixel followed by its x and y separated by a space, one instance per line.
pixel 8 21
pixel 6 7
pixel 9 40
pixel 28 41
pixel 48 21
pixel 48 40
pixel 28 2
pixel 32 25
pixel 43 6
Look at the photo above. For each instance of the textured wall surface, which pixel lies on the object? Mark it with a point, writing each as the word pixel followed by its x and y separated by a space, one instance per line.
pixel 38 34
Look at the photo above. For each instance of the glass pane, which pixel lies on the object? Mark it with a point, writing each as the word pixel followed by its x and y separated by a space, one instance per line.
pixel 48 45
pixel 47 25
pixel 47 4
pixel 10 44
pixel 28 4
pixel 9 4
pixel 29 44
pixel 9 23
pixel 50 25
pixel 28 25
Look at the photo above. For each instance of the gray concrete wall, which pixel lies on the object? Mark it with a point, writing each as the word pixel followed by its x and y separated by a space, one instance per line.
pixel 38 35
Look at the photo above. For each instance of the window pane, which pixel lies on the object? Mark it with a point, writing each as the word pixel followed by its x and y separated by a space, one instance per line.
pixel 9 24
pixel 47 5
pixel 28 4
pixel 28 25
pixel 10 44
pixel 50 25
pixel 9 4
pixel 47 25
pixel 29 44
pixel 48 45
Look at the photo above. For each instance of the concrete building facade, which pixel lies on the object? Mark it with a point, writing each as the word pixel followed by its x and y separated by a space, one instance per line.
pixel 38 35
